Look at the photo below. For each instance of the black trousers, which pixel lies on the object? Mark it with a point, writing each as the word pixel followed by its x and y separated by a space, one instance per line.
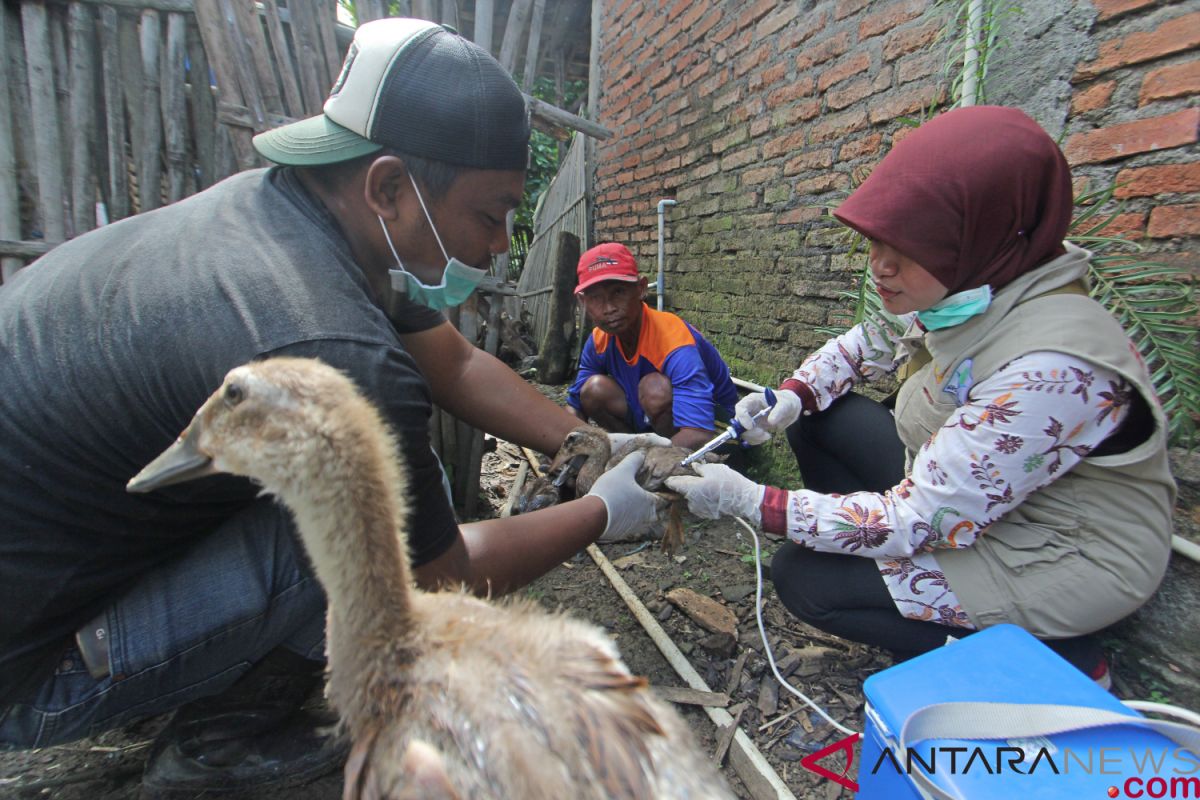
pixel 851 447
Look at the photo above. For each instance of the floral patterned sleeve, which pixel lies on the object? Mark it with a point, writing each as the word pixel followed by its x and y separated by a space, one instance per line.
pixel 1024 426
pixel 866 352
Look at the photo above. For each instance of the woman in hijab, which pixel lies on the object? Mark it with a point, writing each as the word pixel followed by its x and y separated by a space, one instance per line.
pixel 1022 475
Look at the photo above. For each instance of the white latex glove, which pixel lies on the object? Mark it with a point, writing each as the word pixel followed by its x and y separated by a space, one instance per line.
pixel 786 411
pixel 631 509
pixel 618 440
pixel 719 491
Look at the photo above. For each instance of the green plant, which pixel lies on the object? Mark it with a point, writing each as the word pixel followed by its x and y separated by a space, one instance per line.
pixel 974 40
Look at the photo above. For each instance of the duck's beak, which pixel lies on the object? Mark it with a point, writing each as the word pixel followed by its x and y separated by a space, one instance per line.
pixel 180 462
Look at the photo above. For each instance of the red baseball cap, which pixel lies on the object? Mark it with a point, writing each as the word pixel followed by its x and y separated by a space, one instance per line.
pixel 606 262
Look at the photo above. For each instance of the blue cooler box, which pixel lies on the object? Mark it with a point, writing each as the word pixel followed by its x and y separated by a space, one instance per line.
pixel 1004 664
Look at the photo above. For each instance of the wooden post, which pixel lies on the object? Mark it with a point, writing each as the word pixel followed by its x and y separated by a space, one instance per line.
pixel 117 194
pixel 485 11
pixel 554 351
pixel 10 196
pixel 423 9
pixel 255 41
pixel 83 118
pixel 47 144
pixel 204 112
pixel 174 107
pixel 283 58
pixel 514 29
pixel 531 53
pixel 149 160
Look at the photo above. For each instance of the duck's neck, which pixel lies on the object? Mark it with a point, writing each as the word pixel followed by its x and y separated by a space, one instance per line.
pixel 350 513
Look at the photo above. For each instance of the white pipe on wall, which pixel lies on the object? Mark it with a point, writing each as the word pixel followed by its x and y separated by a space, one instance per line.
pixel 970 84
pixel 659 286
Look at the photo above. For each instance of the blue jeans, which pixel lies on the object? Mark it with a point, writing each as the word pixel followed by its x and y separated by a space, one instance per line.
pixel 189 629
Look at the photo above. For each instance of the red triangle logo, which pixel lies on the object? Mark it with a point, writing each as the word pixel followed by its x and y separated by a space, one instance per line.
pixel 809 762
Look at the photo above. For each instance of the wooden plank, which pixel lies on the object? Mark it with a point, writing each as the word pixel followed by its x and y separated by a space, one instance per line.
pixel 237 50
pixel 209 21
pixel 129 52
pixel 150 146
pixel 680 695
pixel 254 40
pixel 423 9
pixel 47 145
pixel 514 29
pixel 240 116
pixel 10 195
pixel 204 114
pixel 531 52
pixel 485 13
pixel 174 107
pixel 566 119
pixel 62 73
pixel 313 83
pixel 83 117
pixel 325 18
pixel 178 6
pixel 293 102
pixel 117 188
pixel 18 249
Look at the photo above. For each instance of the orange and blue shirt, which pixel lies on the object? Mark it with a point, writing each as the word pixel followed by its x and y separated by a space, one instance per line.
pixel 699 378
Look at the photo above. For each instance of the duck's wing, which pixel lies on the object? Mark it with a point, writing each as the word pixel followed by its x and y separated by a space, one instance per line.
pixel 614 721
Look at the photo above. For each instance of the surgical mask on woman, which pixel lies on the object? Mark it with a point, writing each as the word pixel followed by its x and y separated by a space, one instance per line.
pixel 458 280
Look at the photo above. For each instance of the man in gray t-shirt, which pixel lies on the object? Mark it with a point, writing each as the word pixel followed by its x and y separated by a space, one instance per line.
pixel 121 606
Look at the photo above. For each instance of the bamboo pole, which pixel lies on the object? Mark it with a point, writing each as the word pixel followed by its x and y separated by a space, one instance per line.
pixel 531 51
pixel 203 116
pixel 485 13
pixel 174 107
pixel 47 145
pixel 210 21
pixel 283 58
pixel 149 154
pixel 514 29
pixel 83 117
pixel 10 196
pixel 114 116
pixel 253 38
pixel 11 248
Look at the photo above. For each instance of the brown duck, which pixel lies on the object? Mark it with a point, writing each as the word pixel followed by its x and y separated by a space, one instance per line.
pixel 443 695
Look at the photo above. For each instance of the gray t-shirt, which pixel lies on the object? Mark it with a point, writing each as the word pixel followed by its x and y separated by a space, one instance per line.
pixel 109 344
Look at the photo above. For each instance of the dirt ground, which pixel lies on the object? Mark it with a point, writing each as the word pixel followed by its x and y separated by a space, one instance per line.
pixel 716 561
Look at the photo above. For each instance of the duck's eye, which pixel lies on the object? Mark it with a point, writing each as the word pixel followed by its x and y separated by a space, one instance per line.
pixel 234 394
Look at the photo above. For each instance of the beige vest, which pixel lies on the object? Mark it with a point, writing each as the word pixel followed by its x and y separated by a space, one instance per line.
pixel 1090 547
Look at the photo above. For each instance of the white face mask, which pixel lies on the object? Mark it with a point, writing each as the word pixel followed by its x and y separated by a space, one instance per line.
pixel 458 280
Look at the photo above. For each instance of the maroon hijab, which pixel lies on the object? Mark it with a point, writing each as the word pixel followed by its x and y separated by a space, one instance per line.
pixel 978 195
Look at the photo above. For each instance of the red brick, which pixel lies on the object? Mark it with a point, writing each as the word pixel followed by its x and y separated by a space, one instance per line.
pixel 918 65
pixel 759 126
pixel 1129 226
pixel 810 160
pixel 1174 36
pixel 749 61
pixel 795 35
pixel 753 177
pixel 801 87
pixel 802 214
pixel 768 77
pixel 836 126
pixel 891 17
pixel 677 9
pixel 1143 136
pixel 688 20
pixel 1180 220
pixel 907 102
pixel 823 183
pixel 909 38
pixel 1177 80
pixel 868 145
pixel 776 20
pixel 739 158
pixel 783 144
pixel 800 112
pixel 847 7
pixel 727 99
pixel 1094 97
pixel 1164 179
pixel 840 71
pixel 1108 9
pixel 755 12
pixel 822 51
pixel 849 94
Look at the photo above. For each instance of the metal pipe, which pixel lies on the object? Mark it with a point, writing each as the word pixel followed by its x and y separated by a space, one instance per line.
pixel 659 286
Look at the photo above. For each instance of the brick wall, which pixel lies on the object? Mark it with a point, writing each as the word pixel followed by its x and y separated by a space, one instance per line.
pixel 752 115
